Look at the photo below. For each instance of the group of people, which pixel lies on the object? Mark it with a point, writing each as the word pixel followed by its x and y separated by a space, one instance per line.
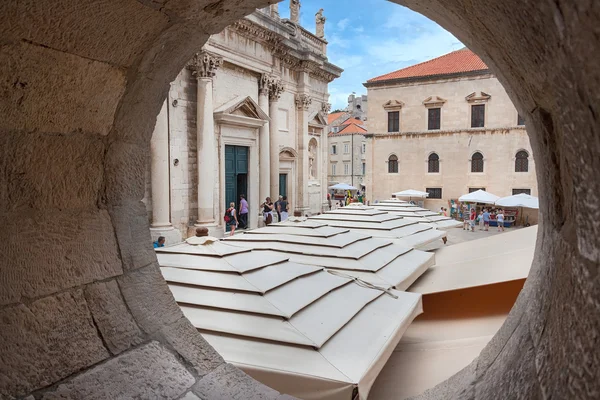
pixel 281 207
pixel 443 211
pixel 483 219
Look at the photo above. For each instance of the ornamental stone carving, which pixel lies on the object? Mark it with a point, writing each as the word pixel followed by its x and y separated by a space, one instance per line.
pixel 295 11
pixel 320 23
pixel 303 101
pixel 263 84
pixel 205 65
pixel 326 107
pixel 275 88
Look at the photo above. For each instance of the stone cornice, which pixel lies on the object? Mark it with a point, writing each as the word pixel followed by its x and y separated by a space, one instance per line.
pixel 204 64
pixel 429 78
pixel 502 129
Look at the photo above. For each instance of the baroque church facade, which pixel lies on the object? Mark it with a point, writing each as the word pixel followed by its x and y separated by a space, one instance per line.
pixel 247 116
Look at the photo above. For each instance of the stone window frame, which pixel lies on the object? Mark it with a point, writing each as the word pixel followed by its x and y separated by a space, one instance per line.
pixel 430 103
pixel 397 161
pixel 431 190
pixel 478 98
pixel 524 168
pixel 483 162
pixel 393 106
pixel 428 163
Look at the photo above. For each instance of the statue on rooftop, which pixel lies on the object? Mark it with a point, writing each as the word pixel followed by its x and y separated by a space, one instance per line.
pixel 295 11
pixel 320 22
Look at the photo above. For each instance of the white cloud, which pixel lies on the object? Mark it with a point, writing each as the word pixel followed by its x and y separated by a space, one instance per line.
pixel 342 24
pixel 359 29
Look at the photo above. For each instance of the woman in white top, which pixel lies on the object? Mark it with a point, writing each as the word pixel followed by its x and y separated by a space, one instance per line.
pixel 500 220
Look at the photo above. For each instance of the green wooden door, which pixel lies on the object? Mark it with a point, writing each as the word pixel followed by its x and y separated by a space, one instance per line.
pixel 236 174
pixel 283 184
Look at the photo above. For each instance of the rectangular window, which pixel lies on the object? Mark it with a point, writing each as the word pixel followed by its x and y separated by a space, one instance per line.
pixel 394 121
pixel 434 117
pixel 478 116
pixel 520 120
pixel 333 149
pixel 332 169
pixel 519 191
pixel 471 190
pixel 346 169
pixel 364 168
pixel 364 148
pixel 346 148
pixel 434 193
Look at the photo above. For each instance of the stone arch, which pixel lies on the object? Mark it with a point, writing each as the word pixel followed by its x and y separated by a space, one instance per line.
pixel 76 234
pixel 288 152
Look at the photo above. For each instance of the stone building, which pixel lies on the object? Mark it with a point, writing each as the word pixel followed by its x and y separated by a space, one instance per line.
pixel 347 152
pixel 448 127
pixel 248 115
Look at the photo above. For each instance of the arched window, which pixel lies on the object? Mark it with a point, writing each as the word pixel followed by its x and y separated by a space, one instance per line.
pixel 522 161
pixel 477 162
pixel 433 163
pixel 393 164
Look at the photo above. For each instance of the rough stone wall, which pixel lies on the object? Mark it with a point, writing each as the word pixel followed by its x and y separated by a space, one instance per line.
pixel 85 312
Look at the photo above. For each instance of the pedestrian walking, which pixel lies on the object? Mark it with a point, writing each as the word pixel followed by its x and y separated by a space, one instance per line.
pixel 472 218
pixel 243 212
pixel 480 220
pixel 276 207
pixel 329 200
pixel 283 208
pixel 268 211
pixel 230 218
pixel 486 219
pixel 500 219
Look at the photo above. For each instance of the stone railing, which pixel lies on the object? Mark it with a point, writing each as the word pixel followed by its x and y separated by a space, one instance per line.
pixel 313 42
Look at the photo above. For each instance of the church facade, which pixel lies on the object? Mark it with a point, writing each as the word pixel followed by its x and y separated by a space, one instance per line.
pixel 247 116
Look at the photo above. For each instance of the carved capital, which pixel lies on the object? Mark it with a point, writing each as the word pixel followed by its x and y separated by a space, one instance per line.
pixel 275 88
pixel 205 65
pixel 303 101
pixel 326 107
pixel 263 84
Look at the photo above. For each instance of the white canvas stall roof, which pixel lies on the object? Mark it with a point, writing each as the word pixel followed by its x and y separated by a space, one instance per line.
pixel 376 260
pixel 419 214
pixel 499 258
pixel 306 331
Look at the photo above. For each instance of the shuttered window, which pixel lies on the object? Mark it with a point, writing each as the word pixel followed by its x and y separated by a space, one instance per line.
pixel 433 163
pixel 434 118
pixel 477 162
pixel 434 193
pixel 522 161
pixel 478 116
pixel 394 121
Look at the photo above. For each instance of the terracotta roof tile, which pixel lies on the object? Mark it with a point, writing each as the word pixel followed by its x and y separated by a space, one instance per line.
pixel 333 116
pixel 353 128
pixel 463 60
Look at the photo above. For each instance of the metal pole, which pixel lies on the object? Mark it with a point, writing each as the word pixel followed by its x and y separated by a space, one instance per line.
pixel 352 162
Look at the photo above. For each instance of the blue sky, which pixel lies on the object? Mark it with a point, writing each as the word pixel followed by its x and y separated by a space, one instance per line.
pixel 372 37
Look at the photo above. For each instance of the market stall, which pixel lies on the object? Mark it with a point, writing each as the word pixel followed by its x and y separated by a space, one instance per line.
pixel 342 190
pixel 479 200
pixel 411 194
pixel 512 204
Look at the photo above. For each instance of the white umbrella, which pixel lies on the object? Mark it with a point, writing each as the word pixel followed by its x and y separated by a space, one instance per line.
pixel 519 200
pixel 479 196
pixel 410 193
pixel 342 186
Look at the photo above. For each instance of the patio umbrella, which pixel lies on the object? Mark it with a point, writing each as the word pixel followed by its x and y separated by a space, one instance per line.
pixel 342 186
pixel 519 200
pixel 411 193
pixel 479 196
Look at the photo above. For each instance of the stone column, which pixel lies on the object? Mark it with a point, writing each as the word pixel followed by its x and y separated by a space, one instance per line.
pixel 264 148
pixel 160 180
pixel 325 108
pixel 204 66
pixel 303 102
pixel 275 90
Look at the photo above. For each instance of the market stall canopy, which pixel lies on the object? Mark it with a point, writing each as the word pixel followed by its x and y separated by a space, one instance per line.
pixel 519 200
pixel 342 186
pixel 478 196
pixel 305 330
pixel 499 258
pixel 415 213
pixel 411 193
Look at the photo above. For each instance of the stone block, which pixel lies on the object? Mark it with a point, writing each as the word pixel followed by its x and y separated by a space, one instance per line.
pixel 190 396
pixel 28 159
pixel 128 26
pixel 35 74
pixel 46 252
pixel 229 383
pixel 126 165
pixel 149 298
pixel 512 374
pixel 188 342
pixel 147 372
pixel 46 342
pixel 112 317
pixel 133 233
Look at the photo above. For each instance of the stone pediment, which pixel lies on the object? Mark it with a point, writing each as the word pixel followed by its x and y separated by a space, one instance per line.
pixel 434 101
pixel 478 97
pixel 317 119
pixel 393 105
pixel 241 111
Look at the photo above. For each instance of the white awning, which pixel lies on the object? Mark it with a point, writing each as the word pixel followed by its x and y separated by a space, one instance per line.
pixel 342 186
pixel 305 330
pixel 519 200
pixel 411 193
pixel 478 196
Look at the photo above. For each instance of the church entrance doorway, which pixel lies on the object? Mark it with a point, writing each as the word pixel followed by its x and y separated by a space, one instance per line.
pixel 236 174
